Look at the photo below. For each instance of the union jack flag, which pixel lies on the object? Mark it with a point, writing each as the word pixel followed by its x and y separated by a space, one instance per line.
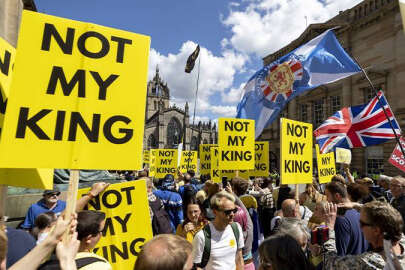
pixel 357 126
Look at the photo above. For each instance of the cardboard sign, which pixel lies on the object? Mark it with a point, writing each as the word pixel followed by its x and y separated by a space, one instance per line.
pixel 326 166
pixel 146 156
pixel 152 163
pixel 343 155
pixel 188 161
pixel 296 152
pixel 215 172
pixel 165 162
pixel 78 96
pixel 29 178
pixel 128 224
pixel 397 158
pixel 261 160
pixel 236 141
pixel 205 158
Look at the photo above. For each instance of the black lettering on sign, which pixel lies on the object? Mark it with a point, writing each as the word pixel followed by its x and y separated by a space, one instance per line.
pixel 236 155
pixel 258 156
pixel 77 119
pixel 296 130
pixel 259 146
pixel 327 172
pixel 238 126
pixel 5 63
pixel 294 147
pixel 117 198
pixel 206 148
pixel 166 170
pixel 128 194
pixel 66 45
pixel 325 160
pixel 234 140
pixel 134 248
pixel 79 78
pixel 165 162
pixel 207 157
pixel 296 166
pixel 3 101
pixel 215 173
pixel 260 167
pixel 168 153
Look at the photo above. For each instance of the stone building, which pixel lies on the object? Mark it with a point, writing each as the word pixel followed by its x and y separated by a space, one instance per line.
pixel 167 126
pixel 372 32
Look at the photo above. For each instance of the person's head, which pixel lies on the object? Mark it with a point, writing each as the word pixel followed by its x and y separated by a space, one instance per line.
pixel 240 186
pixel 193 211
pixel 212 188
pixel 43 222
pixel 168 183
pixel 338 178
pixel 282 252
pixel 223 207
pixel 51 195
pixel 397 186
pixel 191 173
pixel 357 192
pixel 290 208
pixel 149 184
pixel 90 225
pixel 365 181
pixel 319 211
pixel 303 197
pixel 3 249
pixel 336 192
pixel 165 251
pixel 241 218
pixel 187 178
pixel 384 181
pixel 379 219
pixel 297 229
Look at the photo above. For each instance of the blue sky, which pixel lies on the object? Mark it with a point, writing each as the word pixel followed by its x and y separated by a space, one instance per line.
pixel 233 36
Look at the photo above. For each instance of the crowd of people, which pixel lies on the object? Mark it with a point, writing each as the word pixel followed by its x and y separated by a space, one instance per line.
pixel 237 224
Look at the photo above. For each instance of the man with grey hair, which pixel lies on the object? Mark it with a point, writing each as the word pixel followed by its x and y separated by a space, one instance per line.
pixel 218 246
pixel 289 209
pixel 297 229
pixel 397 187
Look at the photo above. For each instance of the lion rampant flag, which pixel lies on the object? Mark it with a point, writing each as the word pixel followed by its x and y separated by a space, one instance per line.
pixel 320 61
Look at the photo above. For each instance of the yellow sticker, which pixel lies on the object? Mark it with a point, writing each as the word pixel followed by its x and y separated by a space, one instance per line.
pixel 232 243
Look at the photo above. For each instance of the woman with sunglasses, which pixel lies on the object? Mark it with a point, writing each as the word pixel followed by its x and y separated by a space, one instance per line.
pixel 381 225
pixel 193 222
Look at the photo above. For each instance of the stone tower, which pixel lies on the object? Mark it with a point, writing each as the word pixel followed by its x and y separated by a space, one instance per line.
pixel 158 95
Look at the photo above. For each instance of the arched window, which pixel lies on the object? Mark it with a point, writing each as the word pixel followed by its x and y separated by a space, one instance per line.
pixel 152 143
pixel 194 143
pixel 174 133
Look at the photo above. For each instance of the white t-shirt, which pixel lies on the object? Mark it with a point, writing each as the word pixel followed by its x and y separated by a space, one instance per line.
pixel 223 248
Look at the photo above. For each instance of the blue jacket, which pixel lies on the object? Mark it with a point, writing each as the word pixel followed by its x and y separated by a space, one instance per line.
pixel 38 208
pixel 173 205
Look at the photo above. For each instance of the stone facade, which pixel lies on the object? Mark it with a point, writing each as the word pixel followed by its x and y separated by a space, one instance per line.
pixel 166 126
pixel 371 32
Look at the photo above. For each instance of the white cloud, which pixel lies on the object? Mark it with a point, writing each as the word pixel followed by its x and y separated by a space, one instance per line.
pixel 268 25
pixel 216 75
pixel 233 95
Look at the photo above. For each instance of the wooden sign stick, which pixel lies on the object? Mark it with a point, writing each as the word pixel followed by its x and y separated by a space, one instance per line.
pixel 71 199
pixel 297 192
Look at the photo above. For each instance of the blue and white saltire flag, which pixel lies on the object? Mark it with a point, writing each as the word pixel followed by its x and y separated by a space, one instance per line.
pixel 320 61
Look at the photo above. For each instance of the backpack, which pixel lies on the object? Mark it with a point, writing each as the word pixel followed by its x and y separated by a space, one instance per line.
pixel 188 192
pixel 207 243
pixel 160 220
pixel 53 263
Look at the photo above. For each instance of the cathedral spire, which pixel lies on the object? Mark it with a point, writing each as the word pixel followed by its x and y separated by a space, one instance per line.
pixel 186 108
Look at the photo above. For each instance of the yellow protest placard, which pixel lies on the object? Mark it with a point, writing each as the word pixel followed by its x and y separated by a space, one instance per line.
pixel 214 170
pixel 326 166
pixel 343 155
pixel 152 163
pixel 296 152
pixel 146 156
pixel 261 160
pixel 29 178
pixel 78 96
pixel 165 162
pixel 188 161
pixel 236 142
pixel 205 158
pixel 128 224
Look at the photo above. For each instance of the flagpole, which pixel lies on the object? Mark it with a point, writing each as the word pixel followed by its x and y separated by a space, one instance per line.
pixel 382 106
pixel 195 98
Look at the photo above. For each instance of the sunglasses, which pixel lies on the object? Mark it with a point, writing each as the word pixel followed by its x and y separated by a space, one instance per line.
pixel 228 212
pixel 363 224
pixel 53 194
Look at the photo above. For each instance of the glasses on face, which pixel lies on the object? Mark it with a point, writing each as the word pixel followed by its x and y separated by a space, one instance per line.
pixel 54 194
pixel 364 224
pixel 230 211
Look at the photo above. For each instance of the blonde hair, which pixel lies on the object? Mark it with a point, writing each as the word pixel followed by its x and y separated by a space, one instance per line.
pixel 217 198
pixel 3 245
